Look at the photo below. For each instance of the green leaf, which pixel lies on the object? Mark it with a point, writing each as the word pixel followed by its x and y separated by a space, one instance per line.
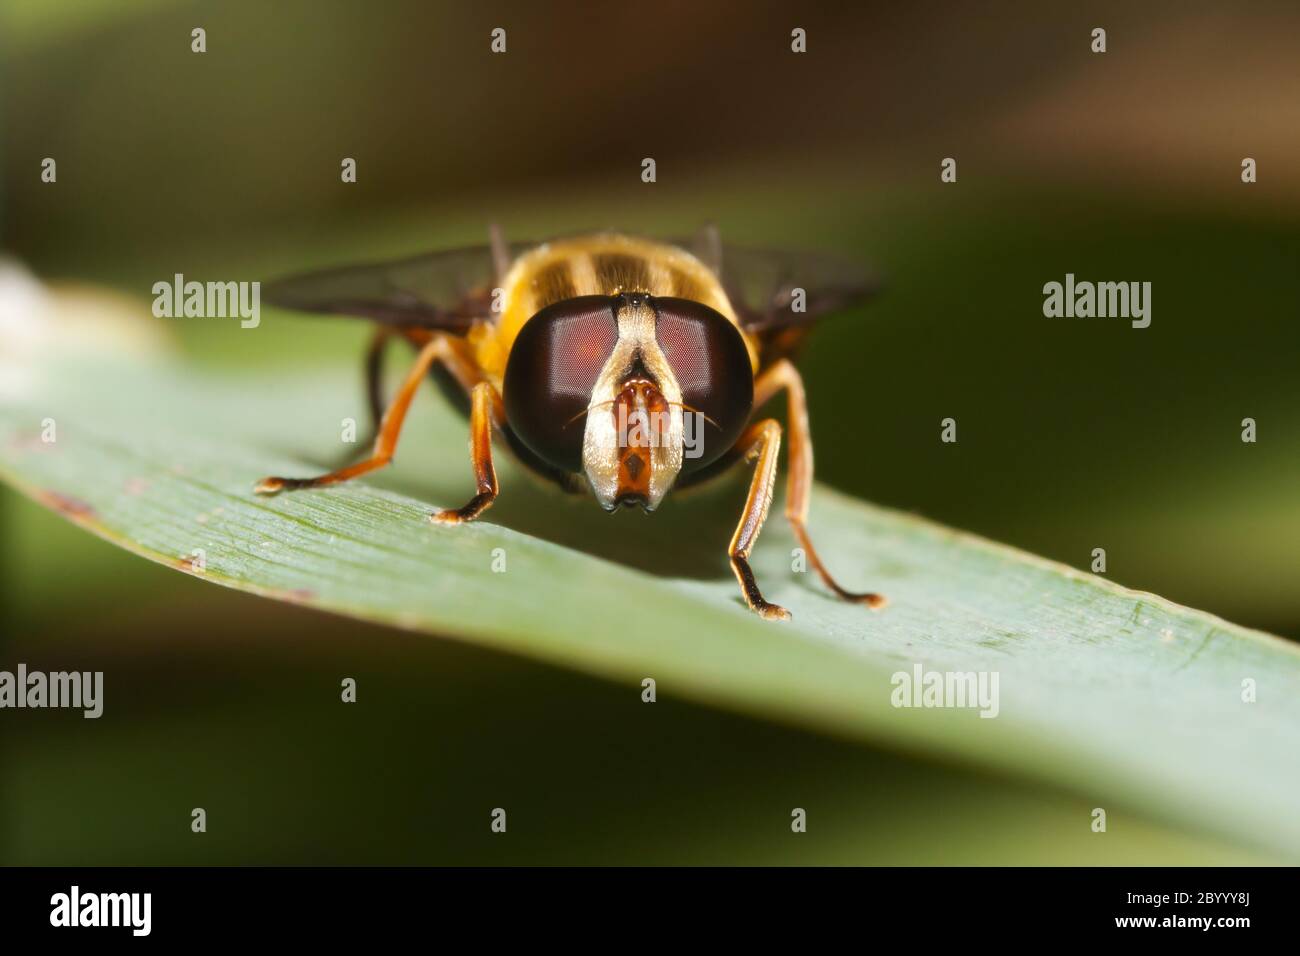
pixel 1131 701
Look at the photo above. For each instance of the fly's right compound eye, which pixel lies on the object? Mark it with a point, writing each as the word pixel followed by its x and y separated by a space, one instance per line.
pixel 553 366
pixel 711 364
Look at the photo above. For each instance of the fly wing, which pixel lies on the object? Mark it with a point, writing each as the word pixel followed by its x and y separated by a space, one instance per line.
pixel 450 289
pixel 763 286
pixel 440 290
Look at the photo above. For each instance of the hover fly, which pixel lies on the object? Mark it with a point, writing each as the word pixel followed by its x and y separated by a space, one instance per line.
pixel 606 362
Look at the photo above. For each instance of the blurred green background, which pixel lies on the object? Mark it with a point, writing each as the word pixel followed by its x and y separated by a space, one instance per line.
pixel 1073 434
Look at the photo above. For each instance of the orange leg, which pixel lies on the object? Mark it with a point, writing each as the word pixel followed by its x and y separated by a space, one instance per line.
pixel 783 375
pixel 761 441
pixel 485 407
pixel 374 368
pixel 486 404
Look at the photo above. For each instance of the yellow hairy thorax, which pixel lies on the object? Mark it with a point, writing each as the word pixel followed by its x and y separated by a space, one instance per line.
pixel 606 263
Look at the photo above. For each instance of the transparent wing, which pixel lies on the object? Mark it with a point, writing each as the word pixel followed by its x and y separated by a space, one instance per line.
pixel 439 290
pixel 762 284
pixel 451 288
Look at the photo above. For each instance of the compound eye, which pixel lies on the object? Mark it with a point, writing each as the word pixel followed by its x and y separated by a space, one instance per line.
pixel 552 370
pixel 708 357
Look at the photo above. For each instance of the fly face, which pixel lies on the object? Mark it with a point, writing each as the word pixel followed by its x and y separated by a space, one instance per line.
pixel 631 390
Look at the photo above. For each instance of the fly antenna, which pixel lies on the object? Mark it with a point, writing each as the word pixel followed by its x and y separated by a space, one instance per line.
pixel 587 409
pixel 692 408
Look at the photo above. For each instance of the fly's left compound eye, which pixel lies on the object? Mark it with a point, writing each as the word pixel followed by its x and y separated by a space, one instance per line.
pixel 552 370
pixel 711 364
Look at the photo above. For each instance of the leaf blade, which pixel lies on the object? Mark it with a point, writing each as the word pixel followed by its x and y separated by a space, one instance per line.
pixel 1105 691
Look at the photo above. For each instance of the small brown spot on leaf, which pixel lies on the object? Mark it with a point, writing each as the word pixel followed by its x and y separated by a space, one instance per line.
pixel 29 441
pixel 136 486
pixel 74 508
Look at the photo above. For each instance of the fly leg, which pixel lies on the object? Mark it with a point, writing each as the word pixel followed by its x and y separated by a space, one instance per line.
pixel 374 369
pixel 485 408
pixel 761 441
pixel 441 347
pixel 783 375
